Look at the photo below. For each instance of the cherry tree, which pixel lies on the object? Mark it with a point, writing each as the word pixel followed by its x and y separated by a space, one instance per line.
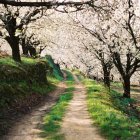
pixel 14 22
pixel 118 30
pixel 120 33
pixel 105 59
pixel 125 45
pixel 98 47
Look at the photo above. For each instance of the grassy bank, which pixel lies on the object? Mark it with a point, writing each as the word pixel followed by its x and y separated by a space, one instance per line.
pixel 112 113
pixel 52 121
pixel 22 86
pixel 19 80
pixel 9 61
pixel 56 71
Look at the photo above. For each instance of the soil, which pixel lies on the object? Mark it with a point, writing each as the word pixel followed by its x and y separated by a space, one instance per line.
pixel 77 124
pixel 28 127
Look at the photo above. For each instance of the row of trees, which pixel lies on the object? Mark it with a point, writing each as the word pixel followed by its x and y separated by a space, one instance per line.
pixel 14 23
pixel 116 39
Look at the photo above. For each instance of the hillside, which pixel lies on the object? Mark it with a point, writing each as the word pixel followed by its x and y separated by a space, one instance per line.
pixel 24 85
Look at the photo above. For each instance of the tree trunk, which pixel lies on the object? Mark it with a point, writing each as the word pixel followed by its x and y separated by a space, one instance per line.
pixel 14 44
pixel 32 51
pixel 126 87
pixel 24 47
pixel 107 79
pixel 16 53
pixel 106 72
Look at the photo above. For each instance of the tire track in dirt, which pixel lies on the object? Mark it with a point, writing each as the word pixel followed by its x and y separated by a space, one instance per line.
pixel 28 128
pixel 77 124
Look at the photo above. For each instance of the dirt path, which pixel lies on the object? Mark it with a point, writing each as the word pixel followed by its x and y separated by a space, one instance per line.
pixel 28 128
pixel 77 124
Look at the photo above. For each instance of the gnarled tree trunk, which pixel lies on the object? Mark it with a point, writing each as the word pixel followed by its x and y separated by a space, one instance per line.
pixel 24 47
pixel 126 87
pixel 14 44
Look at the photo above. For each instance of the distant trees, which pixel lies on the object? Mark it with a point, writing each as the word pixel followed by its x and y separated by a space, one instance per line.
pixel 28 46
pixel 83 58
pixel 101 54
pixel 31 45
pixel 106 63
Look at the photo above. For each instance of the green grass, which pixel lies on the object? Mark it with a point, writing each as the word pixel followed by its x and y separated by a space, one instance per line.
pixel 117 84
pixel 12 90
pixel 9 61
pixel 112 113
pixel 76 71
pixel 43 89
pixel 80 75
pixel 53 80
pixel 56 70
pixel 16 91
pixel 28 61
pixel 69 76
pixel 52 121
pixel 69 79
pixel 18 87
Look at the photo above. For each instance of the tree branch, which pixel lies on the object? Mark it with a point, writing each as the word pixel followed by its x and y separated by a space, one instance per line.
pixel 49 4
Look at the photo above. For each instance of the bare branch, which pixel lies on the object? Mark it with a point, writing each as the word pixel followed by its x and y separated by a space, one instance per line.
pixel 49 4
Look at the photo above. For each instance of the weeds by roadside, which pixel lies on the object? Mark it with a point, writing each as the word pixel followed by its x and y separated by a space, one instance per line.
pixel 52 121
pixel 112 113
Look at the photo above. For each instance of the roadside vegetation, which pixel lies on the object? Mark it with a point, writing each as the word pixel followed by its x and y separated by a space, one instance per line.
pixel 21 79
pixel 56 72
pixel 52 121
pixel 24 85
pixel 80 75
pixel 112 113
pixel 135 90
